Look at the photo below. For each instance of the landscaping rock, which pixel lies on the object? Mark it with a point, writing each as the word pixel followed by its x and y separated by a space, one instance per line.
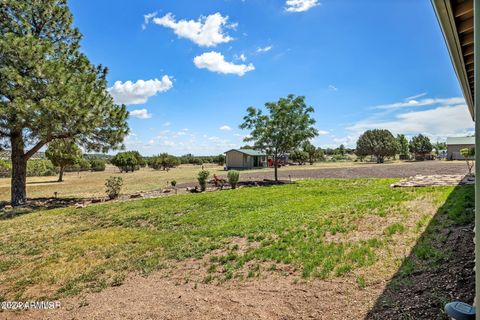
pixel 136 196
pixel 434 180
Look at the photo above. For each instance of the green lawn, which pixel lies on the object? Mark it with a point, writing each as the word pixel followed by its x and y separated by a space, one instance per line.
pixel 321 227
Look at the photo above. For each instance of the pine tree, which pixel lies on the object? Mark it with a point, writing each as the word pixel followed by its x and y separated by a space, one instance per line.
pixel 48 89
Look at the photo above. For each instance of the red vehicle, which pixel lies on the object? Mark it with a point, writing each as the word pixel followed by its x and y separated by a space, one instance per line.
pixel 279 163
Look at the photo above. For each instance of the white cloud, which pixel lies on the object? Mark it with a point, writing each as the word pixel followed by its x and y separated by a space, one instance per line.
pixel 300 5
pixel 146 19
pixel 347 141
pixel 166 124
pixel 138 92
pixel 412 102
pixel 205 32
pixel 225 128
pixel 140 114
pixel 332 87
pixel 323 132
pixel 215 62
pixel 241 57
pixel 439 122
pixel 416 96
pixel 264 49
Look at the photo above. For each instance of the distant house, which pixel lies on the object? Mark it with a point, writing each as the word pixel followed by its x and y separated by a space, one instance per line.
pixel 455 144
pixel 245 159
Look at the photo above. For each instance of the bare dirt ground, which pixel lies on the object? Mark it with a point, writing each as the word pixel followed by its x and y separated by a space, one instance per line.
pixel 386 170
pixel 157 297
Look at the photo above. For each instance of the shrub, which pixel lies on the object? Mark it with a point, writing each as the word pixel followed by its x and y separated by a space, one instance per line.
pixel 163 161
pixel 113 186
pixel 97 165
pixel 5 169
pixel 40 168
pixel 202 179
pixel 233 177
pixel 469 155
pixel 299 156
pixel 81 165
pixel 173 183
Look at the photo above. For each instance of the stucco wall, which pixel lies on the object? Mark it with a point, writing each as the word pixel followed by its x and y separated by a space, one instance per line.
pixel 453 151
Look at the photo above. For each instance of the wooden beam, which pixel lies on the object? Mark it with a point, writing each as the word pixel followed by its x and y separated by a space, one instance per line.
pixel 464 8
pixel 468 50
pixel 467 39
pixel 468 60
pixel 465 26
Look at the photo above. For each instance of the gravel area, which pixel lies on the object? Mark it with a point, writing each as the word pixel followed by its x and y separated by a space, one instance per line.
pixel 394 170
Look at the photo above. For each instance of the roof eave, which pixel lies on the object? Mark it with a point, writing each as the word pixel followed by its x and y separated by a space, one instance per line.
pixel 446 20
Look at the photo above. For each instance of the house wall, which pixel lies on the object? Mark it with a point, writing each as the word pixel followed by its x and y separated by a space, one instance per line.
pixel 235 159
pixel 453 151
pixel 239 160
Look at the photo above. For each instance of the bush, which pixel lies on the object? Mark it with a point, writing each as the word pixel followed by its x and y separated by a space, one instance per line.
pixel 202 179
pixel 5 169
pixel 128 161
pixel 97 165
pixel 113 186
pixel 173 183
pixel 299 156
pixel 81 165
pixel 163 161
pixel 233 177
pixel 40 168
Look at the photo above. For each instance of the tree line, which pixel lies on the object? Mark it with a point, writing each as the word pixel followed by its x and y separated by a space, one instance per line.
pixel 381 144
pixel 130 161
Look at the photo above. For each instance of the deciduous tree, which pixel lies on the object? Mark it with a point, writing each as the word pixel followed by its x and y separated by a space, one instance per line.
pixel 286 124
pixel 63 152
pixel 127 161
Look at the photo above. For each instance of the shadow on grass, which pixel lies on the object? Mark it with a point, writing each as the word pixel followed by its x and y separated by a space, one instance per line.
pixel 34 205
pixel 45 182
pixel 440 267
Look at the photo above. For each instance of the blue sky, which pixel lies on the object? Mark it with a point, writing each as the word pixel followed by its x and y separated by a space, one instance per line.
pixel 188 70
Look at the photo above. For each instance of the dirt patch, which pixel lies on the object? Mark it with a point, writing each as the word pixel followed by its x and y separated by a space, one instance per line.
pixel 157 297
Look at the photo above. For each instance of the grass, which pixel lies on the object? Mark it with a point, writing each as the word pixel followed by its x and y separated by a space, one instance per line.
pixel 63 252
pixel 92 184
